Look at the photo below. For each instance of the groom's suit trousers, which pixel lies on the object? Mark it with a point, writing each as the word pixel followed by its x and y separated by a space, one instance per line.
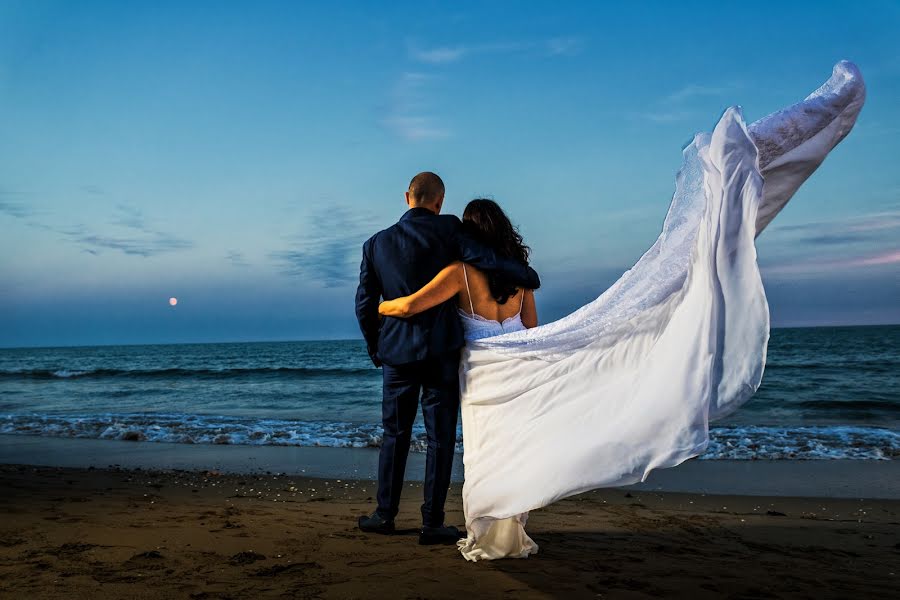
pixel 436 382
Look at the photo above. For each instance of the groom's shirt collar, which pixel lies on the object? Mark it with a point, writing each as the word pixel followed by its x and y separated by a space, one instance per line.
pixel 416 212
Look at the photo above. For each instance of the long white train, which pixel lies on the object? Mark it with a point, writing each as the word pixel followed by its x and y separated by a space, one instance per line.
pixel 629 382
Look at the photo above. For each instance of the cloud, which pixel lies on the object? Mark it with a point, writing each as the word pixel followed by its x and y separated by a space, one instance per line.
pixel 10 206
pixel 861 224
pixel 867 240
pixel 564 46
pixel 693 91
pixel 236 258
pixel 93 189
pixel 878 229
pixel 149 241
pixel 410 116
pixel 438 56
pixel 835 238
pixel 416 128
pixel 820 266
pixel 887 258
pixel 14 209
pixel 329 252
pixel 664 116
pixel 441 55
pixel 158 243
pixel 673 107
pixel 144 240
pixel 129 216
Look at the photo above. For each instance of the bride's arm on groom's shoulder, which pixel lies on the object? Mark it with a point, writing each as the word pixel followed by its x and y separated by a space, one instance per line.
pixel 444 286
pixel 529 310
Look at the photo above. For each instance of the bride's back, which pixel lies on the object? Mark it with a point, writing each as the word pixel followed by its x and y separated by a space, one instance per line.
pixel 483 301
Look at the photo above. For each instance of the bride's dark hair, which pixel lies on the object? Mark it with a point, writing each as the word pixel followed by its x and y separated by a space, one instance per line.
pixel 485 221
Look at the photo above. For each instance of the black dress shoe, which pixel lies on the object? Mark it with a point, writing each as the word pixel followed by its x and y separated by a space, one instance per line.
pixel 440 535
pixel 376 524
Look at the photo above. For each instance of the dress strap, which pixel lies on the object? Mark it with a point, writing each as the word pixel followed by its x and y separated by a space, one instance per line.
pixel 522 301
pixel 468 292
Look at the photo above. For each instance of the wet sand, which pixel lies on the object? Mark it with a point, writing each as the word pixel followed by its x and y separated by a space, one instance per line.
pixel 825 478
pixel 113 533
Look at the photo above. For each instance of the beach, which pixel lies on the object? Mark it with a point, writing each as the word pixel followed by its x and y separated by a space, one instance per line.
pixel 112 532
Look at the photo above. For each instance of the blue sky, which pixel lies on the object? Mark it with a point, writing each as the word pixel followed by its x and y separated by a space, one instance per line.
pixel 235 155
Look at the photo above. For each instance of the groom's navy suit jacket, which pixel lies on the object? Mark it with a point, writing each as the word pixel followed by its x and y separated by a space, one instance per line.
pixel 400 260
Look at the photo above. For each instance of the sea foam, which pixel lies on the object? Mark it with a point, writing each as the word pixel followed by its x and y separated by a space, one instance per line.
pixel 726 442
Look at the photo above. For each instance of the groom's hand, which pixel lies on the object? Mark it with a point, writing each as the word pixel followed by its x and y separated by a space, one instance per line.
pixel 373 355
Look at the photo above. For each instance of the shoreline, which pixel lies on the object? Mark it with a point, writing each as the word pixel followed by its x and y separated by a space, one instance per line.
pixel 806 478
pixel 77 532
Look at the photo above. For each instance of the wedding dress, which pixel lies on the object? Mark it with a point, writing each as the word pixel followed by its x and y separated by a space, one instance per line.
pixel 503 538
pixel 629 382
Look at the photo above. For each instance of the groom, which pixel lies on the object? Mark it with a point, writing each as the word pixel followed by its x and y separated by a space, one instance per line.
pixel 419 356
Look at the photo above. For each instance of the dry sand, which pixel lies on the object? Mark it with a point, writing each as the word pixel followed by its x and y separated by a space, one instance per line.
pixel 92 533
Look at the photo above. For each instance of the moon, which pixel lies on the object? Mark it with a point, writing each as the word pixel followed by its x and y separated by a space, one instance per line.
pixel 173 301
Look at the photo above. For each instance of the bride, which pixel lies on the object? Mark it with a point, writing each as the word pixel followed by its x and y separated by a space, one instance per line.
pixel 629 382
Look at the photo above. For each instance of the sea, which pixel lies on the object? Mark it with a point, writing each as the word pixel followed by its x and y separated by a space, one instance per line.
pixel 827 393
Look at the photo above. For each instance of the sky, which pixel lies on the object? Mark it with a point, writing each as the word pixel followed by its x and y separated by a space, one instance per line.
pixel 235 155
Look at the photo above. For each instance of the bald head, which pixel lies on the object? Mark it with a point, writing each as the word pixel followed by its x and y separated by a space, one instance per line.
pixel 426 190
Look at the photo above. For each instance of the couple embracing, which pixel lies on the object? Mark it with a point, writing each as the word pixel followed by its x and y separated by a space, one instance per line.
pixel 443 282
